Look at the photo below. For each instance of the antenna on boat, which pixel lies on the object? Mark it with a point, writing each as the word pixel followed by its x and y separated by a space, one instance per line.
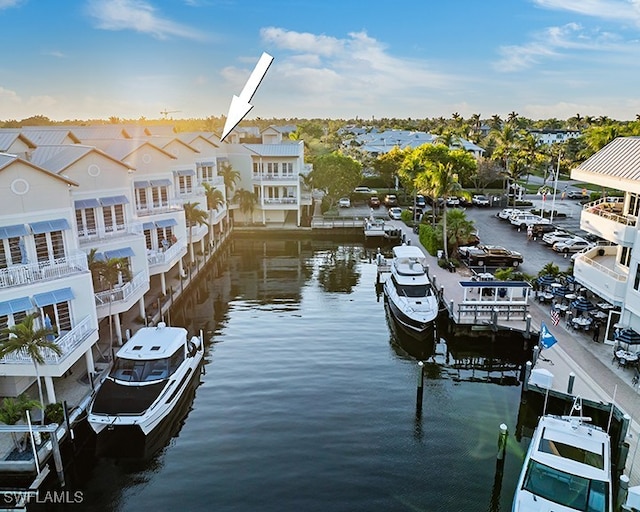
pixel 613 401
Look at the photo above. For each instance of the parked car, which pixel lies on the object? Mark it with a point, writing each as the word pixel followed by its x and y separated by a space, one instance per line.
pixel 390 200
pixel 395 213
pixel 374 202
pixel 556 236
pixel 490 255
pixel 524 220
pixel 575 244
pixel 540 229
pixel 421 201
pixel 577 194
pixel 417 215
pixel 480 200
pixel 363 190
pixel 344 202
pixel 506 213
pixel 453 201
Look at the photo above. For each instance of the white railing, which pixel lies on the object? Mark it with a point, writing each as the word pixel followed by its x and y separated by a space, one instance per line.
pixel 216 181
pixel 18 275
pixel 131 228
pixel 123 292
pixel 67 342
pixel 162 257
pixel 170 206
pixel 585 258
pixel 274 177
pixel 608 209
pixel 280 200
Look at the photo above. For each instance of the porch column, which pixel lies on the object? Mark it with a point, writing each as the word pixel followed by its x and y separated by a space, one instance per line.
pixel 143 313
pixel 118 328
pixel 88 356
pixel 51 393
pixel 163 281
pixel 180 269
pixel 202 246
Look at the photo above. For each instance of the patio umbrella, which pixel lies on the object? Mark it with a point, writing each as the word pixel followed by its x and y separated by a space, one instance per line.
pixel 560 291
pixel 582 304
pixel 628 336
pixel 546 280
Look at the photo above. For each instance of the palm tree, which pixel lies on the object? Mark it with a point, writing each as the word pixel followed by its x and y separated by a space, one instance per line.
pixel 247 201
pixel 230 176
pixel 25 337
pixel 12 410
pixel 459 228
pixel 108 273
pixel 194 215
pixel 445 183
pixel 215 199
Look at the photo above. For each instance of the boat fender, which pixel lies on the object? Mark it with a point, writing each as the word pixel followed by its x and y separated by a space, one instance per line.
pixel 192 345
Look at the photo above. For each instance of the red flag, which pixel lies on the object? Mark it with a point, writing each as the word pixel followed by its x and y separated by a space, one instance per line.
pixel 555 316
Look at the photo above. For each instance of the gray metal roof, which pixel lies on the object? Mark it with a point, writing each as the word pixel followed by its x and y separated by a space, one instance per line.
pixel 58 158
pixel 618 159
pixel 292 150
pixel 50 136
pixel 8 137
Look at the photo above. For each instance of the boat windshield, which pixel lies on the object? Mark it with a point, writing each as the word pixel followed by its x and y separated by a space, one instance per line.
pixel 575 492
pixel 414 290
pixel 130 370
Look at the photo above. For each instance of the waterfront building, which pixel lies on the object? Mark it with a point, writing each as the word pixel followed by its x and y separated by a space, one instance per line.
pixel 612 272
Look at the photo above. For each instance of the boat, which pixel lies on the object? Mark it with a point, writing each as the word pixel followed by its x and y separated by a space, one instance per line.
pixel 373 227
pixel 408 292
pixel 150 379
pixel 567 467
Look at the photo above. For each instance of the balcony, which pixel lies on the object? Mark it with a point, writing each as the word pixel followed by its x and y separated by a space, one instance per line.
pixel 216 181
pixel 598 271
pixel 198 232
pixel 606 220
pixel 218 215
pixel 162 261
pixel 105 235
pixel 275 177
pixel 121 298
pixel 277 203
pixel 143 210
pixel 19 275
pixel 68 341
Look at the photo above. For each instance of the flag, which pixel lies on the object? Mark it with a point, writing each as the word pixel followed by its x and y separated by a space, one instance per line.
pixel 547 340
pixel 555 316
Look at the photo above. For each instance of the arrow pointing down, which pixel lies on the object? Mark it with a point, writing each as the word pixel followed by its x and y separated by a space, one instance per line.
pixel 240 105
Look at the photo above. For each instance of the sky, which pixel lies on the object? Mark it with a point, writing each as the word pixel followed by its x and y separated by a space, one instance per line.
pixel 339 59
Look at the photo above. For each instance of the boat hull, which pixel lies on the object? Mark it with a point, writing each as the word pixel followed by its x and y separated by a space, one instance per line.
pixel 419 329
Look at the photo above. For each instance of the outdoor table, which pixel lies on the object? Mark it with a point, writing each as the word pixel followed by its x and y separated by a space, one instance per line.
pixel 545 297
pixel 582 322
pixel 570 296
pixel 605 306
pixel 562 307
pixel 625 357
pixel 600 315
pixel 556 285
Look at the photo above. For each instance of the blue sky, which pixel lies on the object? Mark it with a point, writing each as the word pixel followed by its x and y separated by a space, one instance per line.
pixel 81 59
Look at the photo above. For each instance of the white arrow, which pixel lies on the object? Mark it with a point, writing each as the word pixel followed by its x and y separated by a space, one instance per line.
pixel 240 105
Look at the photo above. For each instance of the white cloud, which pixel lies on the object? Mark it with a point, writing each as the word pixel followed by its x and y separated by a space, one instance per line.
pixel 8 4
pixel 55 53
pixel 620 10
pixel 140 16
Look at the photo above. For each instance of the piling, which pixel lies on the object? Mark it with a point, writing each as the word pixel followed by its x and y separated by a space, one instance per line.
pixel 536 353
pixel 572 379
pixel 502 441
pixel 420 388
pixel 527 373
pixel 623 489
pixel 527 329
pixel 57 458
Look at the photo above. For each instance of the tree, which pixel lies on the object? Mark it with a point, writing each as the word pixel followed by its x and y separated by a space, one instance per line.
pixel 388 164
pixel 215 199
pixel 229 176
pixel 336 175
pixel 194 215
pixel 487 172
pixel 247 201
pixel 459 229
pixel 28 339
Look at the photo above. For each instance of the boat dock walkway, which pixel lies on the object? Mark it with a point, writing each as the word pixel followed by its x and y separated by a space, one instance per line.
pixel 595 373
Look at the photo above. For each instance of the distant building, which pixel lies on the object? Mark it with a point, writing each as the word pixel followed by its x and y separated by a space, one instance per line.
pixel 549 137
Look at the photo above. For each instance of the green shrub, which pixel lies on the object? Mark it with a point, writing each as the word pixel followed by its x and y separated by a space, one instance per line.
pixel 431 239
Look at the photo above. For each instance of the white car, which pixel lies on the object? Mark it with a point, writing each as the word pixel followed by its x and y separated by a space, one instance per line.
pixel 524 220
pixel 395 213
pixel 556 236
pixel 364 190
pixel 506 213
pixel 344 202
pixel 575 244
pixel 480 200
pixel 453 201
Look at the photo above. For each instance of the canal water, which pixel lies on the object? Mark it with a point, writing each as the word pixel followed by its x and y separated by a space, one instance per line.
pixel 308 400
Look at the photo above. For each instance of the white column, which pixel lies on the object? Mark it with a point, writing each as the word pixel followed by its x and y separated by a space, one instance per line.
pixel 118 328
pixel 51 393
pixel 143 313
pixel 202 246
pixel 88 356
pixel 163 281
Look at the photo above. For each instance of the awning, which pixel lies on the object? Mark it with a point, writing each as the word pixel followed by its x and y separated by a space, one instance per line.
pixel 161 183
pixel 148 225
pixel 185 172
pixel 13 231
pixel 113 200
pixel 53 297
pixel 207 163
pixel 15 306
pixel 81 204
pixel 166 223
pixel 48 226
pixel 141 184
pixel 124 252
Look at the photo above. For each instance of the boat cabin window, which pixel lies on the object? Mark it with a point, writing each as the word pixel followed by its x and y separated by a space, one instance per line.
pixel 130 370
pixel 569 490
pixel 412 290
pixel 574 453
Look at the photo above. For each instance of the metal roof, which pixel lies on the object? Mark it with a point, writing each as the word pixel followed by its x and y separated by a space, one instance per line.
pixel 618 159
pixel 292 149
pixel 57 158
pixel 49 136
pixel 8 137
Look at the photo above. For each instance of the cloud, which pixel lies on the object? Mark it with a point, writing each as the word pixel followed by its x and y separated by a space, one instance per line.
pixel 8 4
pixel 620 10
pixel 140 16
pixel 55 53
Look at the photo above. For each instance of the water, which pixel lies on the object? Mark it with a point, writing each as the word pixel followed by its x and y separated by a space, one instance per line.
pixel 309 402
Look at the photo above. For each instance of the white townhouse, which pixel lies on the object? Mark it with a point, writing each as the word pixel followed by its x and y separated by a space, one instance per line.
pixel 14 142
pixel 613 272
pixel 42 271
pixel 550 136
pixel 274 173
pixel 105 223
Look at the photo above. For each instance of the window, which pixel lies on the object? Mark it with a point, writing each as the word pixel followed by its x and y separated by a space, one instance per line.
pixel 185 184
pixel 159 196
pixel 207 173
pixel 636 282
pixel 147 238
pixel 12 252
pixel 59 315
pixel 165 237
pixel 625 256
pixel 141 198
pixel 49 245
pixel 287 168
pixel 86 221
pixel 634 204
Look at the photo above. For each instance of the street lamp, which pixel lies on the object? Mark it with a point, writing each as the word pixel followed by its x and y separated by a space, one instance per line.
pixel 555 188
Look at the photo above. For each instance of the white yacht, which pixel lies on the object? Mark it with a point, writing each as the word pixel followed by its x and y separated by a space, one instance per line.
pixel 567 468
pixel 408 292
pixel 150 375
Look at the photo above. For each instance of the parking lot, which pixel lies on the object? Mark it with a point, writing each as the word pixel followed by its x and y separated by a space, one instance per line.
pixel 493 231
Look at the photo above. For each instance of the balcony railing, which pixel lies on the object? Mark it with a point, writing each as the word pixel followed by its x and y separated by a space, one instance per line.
pixel 274 177
pixel 131 228
pixel 216 181
pixel 122 293
pixel 18 275
pixel 169 206
pixel 162 257
pixel 610 210
pixel 67 342
pixel 279 200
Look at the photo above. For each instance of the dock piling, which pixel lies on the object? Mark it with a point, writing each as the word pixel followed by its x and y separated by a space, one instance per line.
pixel 623 489
pixel 420 388
pixel 502 441
pixel 572 379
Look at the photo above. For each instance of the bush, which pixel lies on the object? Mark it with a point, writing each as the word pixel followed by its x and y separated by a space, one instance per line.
pixel 53 413
pixel 430 238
